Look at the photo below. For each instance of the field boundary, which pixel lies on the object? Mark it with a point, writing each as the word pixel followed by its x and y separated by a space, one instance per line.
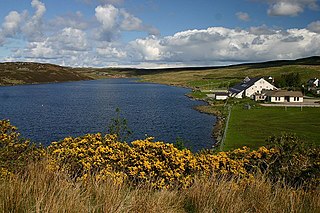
pixel 225 129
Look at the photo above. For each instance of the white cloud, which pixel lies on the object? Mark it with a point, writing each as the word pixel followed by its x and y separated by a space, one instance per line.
pixel 40 9
pixel 107 15
pixel 314 27
pixel 130 22
pixel 217 45
pixel 212 46
pixel 11 24
pixel 73 20
pixel 243 16
pixel 285 9
pixel 33 27
pixel 64 43
pixel 73 40
pixel 289 7
pixel 114 21
pixel 29 27
pixel 110 51
pixel 148 49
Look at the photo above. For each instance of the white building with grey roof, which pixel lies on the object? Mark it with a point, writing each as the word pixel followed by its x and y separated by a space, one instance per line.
pixel 250 87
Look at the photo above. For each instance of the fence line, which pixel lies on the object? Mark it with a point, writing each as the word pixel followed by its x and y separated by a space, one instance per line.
pixel 225 129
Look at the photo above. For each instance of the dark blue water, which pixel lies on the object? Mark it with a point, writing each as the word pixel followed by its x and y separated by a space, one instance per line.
pixel 50 112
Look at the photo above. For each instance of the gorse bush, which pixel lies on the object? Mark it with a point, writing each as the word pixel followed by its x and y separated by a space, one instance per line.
pixel 296 162
pixel 160 164
pixel 15 152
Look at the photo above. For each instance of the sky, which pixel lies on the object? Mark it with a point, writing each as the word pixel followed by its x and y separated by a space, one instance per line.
pixel 158 33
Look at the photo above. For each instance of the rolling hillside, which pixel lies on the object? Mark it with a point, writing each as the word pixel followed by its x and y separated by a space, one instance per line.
pixel 12 73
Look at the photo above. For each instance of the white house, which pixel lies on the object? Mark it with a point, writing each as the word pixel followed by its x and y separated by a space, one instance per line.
pixel 250 87
pixel 314 82
pixel 282 96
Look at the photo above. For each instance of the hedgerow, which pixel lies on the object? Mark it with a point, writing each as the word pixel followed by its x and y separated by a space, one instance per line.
pixel 160 164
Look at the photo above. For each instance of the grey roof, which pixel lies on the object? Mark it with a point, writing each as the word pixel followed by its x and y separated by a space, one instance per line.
pixel 244 85
pixel 221 93
pixel 283 93
pixel 312 80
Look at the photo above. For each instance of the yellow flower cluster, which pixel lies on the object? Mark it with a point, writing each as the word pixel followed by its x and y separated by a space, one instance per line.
pixel 161 164
pixel 14 151
pixel 158 163
pixel 5 173
pixel 8 134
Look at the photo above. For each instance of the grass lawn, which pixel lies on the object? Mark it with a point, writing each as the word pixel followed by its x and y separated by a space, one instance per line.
pixel 252 127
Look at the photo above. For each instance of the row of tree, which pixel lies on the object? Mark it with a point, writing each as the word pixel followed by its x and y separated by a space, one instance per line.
pixel 289 80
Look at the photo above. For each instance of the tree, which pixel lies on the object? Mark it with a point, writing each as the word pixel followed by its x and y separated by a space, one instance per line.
pixel 289 80
pixel 119 127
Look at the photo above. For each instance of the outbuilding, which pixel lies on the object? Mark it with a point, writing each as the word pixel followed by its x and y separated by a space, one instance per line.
pixel 219 95
pixel 282 96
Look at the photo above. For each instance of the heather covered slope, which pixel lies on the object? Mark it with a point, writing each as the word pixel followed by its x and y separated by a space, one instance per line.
pixel 217 77
pixel 12 73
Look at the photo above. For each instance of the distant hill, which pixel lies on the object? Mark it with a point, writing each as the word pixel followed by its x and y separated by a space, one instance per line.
pixel 313 60
pixel 13 73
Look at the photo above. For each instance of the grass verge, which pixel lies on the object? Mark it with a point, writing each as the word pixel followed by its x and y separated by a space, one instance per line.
pixel 252 127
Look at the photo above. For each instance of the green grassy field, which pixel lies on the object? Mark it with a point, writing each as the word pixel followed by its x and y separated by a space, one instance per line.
pixel 252 127
pixel 222 77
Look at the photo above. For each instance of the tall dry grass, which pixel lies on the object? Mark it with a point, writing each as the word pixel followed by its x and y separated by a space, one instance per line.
pixel 258 195
pixel 39 190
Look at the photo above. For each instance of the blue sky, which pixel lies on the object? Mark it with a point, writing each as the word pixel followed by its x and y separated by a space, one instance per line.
pixel 150 33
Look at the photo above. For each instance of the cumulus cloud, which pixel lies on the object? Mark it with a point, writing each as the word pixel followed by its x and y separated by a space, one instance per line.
pixel 314 27
pixel 11 23
pixel 64 43
pixel 243 16
pixel 29 26
pixel 262 30
pixel 212 46
pixel 217 44
pixel 108 16
pixel 73 20
pixel 33 27
pixel 111 51
pixel 285 9
pixel 40 9
pixel 289 7
pixel 114 20
pixel 71 39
